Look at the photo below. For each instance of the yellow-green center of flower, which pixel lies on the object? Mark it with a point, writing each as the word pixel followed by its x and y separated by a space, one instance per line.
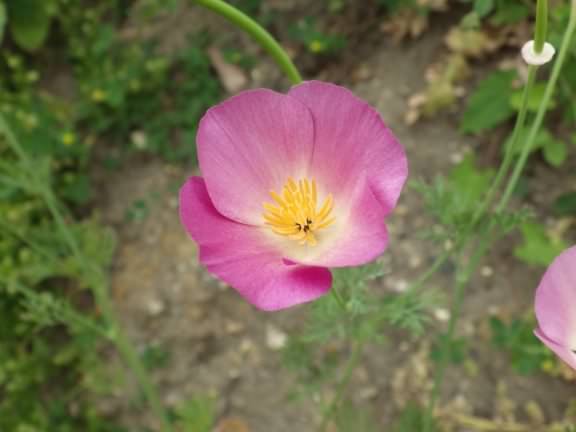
pixel 295 212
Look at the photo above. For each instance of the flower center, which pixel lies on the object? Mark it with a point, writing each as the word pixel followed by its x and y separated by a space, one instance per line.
pixel 295 213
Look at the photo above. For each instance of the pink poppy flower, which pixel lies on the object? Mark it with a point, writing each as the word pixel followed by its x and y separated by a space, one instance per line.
pixel 556 307
pixel 292 184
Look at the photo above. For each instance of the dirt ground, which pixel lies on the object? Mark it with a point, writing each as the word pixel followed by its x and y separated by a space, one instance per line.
pixel 219 345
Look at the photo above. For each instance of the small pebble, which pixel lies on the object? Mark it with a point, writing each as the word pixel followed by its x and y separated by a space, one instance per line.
pixel 368 393
pixel 275 338
pixel 233 374
pixel 155 307
pixel 246 346
pixel 442 314
pixel 486 271
pixel 456 158
pixel 400 285
pixel 234 327
pixel 361 73
pixel 534 412
pixel 415 261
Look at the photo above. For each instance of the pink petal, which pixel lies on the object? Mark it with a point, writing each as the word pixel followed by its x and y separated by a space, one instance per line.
pixel 357 237
pixel 250 144
pixel 352 142
pixel 555 302
pixel 241 256
pixel 561 351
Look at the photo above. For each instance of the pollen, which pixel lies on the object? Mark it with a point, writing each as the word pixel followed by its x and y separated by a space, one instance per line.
pixel 296 214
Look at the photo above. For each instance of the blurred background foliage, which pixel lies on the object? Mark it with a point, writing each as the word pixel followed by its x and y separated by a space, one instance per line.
pixel 79 90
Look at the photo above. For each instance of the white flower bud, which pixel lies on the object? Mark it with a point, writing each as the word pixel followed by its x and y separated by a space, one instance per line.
pixel 537 59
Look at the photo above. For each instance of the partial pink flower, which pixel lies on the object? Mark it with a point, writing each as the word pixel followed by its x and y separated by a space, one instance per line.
pixel 292 184
pixel 556 307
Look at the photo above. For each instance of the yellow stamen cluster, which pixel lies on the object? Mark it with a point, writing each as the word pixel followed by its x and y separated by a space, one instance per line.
pixel 295 213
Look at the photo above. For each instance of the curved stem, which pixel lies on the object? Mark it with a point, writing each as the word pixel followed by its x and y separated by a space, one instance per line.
pixel 350 366
pixel 550 86
pixel 259 34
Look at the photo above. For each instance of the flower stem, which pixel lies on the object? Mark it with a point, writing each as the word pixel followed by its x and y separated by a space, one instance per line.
pixel 94 275
pixel 458 297
pixel 430 271
pixel 541 25
pixel 353 360
pixel 338 296
pixel 509 151
pixel 550 87
pixel 260 35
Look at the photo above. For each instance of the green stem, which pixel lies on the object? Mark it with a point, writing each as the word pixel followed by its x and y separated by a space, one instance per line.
pixel 458 296
pixel 353 360
pixel 64 313
pixel 430 271
pixel 509 151
pixel 259 34
pixel 98 285
pixel 40 250
pixel 133 360
pixel 9 182
pixel 550 87
pixel 338 296
pixel 541 25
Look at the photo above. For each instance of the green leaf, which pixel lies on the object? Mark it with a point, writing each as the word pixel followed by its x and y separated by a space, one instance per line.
pixel 527 353
pixel 509 12
pixel 29 23
pixel 450 350
pixel 413 418
pixel 555 152
pixel 543 138
pixel 470 21
pixel 483 7
pixel 489 105
pixel 469 182
pixel 349 418
pixel 565 205
pixel 534 99
pixel 138 211
pixel 197 414
pixel 79 190
pixel 538 248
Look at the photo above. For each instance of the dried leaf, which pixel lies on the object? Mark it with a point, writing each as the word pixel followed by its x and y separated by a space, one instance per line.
pixel 232 424
pixel 406 23
pixel 434 5
pixel 441 92
pixel 231 76
pixel 471 42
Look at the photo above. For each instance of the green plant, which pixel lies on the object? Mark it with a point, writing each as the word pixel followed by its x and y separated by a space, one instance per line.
pixel 315 40
pixel 538 247
pixel 45 335
pixel 55 325
pixel 28 21
pixel 526 352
